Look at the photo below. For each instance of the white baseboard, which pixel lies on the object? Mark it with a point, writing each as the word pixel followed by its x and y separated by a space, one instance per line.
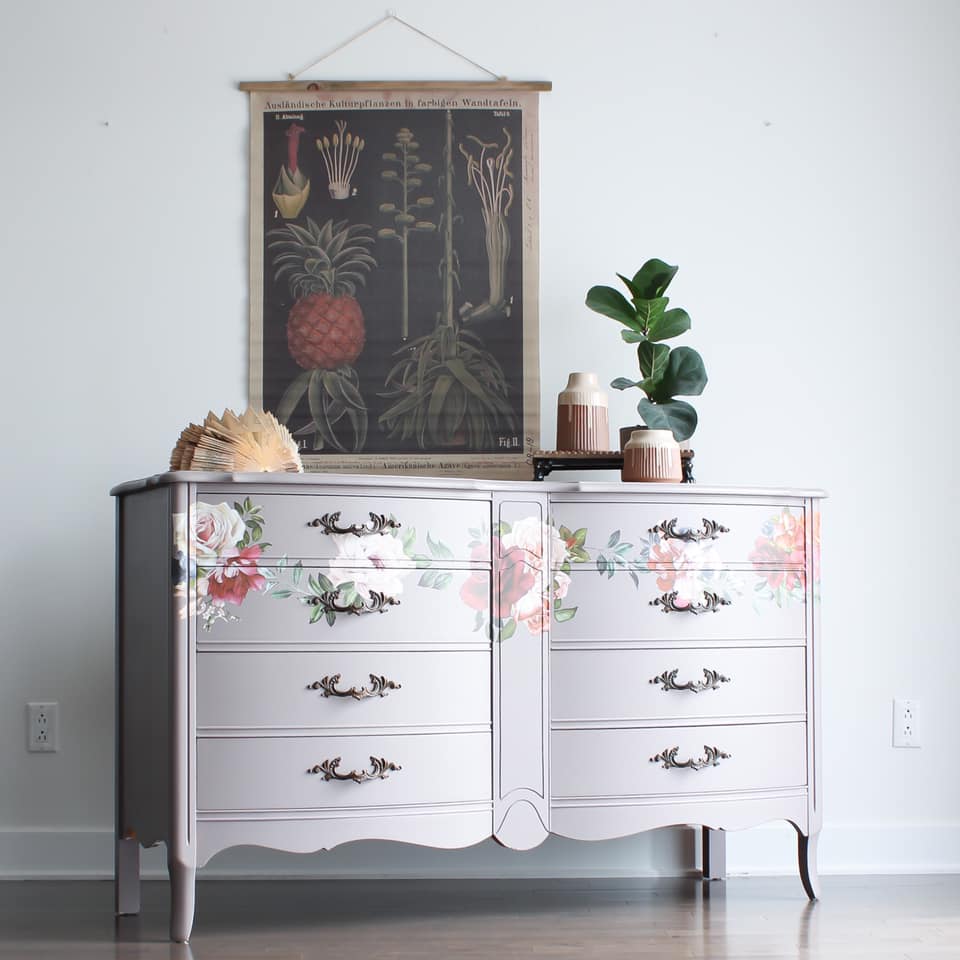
pixel 769 850
pixel 881 848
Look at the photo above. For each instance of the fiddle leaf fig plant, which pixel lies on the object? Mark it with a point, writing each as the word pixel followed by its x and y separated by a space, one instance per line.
pixel 665 373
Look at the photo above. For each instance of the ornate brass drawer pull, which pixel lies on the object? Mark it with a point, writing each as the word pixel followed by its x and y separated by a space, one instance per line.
pixel 379 770
pixel 379 687
pixel 377 603
pixel 670 762
pixel 668 530
pixel 711 601
pixel 330 522
pixel 712 680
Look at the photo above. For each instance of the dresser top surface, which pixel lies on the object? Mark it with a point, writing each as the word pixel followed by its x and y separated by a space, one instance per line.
pixel 385 481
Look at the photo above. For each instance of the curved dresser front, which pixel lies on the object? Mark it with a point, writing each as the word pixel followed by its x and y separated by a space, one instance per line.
pixel 308 660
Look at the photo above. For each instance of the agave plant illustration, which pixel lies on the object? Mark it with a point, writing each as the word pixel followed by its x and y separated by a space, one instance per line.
pixel 340 153
pixel 447 388
pixel 408 213
pixel 490 176
pixel 292 189
pixel 323 265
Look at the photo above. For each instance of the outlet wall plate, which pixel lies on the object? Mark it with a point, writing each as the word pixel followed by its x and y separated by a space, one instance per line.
pixel 43 727
pixel 906 727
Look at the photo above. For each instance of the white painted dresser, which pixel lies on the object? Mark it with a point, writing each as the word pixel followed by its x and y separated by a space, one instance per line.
pixel 308 660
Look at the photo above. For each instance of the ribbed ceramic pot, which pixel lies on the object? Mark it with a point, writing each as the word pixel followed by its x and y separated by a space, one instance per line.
pixel 652 456
pixel 583 423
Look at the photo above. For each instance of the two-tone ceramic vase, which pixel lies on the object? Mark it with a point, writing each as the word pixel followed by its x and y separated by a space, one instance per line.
pixel 583 423
pixel 652 456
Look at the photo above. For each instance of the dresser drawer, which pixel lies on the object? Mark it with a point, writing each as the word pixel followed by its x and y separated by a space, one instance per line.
pixel 342 529
pixel 616 685
pixel 266 691
pixel 618 763
pixel 682 534
pixel 657 606
pixel 432 607
pixel 266 774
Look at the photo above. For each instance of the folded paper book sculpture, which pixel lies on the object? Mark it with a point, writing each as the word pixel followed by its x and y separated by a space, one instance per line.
pixel 254 442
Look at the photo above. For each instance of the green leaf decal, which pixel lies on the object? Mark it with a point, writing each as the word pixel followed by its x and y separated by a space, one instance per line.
pixel 614 539
pixel 508 629
pixel 565 614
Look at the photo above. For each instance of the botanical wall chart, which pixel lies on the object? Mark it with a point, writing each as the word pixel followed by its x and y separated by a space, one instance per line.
pixel 394 274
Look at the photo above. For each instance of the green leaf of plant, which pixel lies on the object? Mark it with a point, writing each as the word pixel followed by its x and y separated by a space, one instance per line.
pixel 434 411
pixel 315 395
pixel 653 359
pixel 611 303
pixel 628 283
pixel 622 383
pixel 632 336
pixel 684 375
pixel 653 278
pixel 649 312
pixel 671 324
pixel 678 416
pixel 292 396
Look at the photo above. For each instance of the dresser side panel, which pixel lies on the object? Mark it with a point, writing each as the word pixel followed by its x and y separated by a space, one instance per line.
pixel 521 744
pixel 143 667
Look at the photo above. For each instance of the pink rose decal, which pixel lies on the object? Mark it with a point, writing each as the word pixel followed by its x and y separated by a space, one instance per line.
pixel 231 583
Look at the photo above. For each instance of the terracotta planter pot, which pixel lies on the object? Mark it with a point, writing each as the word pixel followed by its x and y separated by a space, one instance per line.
pixel 652 456
pixel 582 420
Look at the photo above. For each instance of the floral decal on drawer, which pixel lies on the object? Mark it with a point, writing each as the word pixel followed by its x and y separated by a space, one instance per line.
pixel 691 568
pixel 684 568
pixel 782 542
pixel 226 542
pixel 520 598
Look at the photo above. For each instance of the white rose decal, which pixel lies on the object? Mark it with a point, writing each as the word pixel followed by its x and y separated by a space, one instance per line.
pixel 371 563
pixel 215 527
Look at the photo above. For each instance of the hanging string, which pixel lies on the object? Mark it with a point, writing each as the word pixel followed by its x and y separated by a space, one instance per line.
pixel 391 15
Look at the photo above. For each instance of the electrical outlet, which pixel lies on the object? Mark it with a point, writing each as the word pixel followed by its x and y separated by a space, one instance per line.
pixel 906 728
pixel 42 727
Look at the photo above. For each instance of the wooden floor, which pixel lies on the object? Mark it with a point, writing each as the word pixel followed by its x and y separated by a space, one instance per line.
pixel 879 918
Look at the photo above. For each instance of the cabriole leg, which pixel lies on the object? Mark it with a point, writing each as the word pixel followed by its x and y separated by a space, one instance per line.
pixel 807 857
pixel 714 854
pixel 126 877
pixel 182 887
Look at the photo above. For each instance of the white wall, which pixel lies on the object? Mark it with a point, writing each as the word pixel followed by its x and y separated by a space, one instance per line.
pixel 798 160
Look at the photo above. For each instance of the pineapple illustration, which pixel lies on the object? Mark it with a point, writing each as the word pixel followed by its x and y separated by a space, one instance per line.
pixel 323 265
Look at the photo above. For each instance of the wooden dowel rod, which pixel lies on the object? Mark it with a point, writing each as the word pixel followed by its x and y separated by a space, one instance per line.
pixel 309 86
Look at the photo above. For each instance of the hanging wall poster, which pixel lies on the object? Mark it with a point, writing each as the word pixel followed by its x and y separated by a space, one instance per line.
pixel 394 274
